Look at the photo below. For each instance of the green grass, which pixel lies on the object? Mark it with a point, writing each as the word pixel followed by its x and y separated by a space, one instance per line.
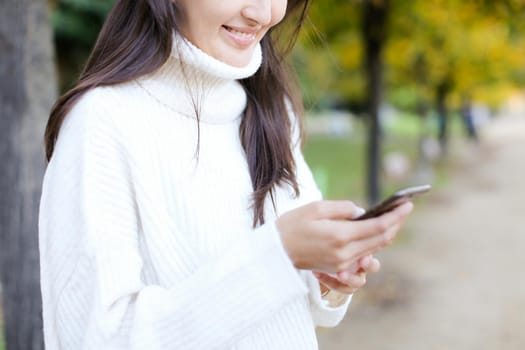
pixel 339 164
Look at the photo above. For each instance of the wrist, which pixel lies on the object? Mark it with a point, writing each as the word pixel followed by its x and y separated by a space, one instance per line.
pixel 333 297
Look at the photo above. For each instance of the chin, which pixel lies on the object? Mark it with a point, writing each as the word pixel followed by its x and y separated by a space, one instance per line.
pixel 237 63
pixel 236 59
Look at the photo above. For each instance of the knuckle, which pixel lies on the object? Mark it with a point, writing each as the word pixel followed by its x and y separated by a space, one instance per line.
pixel 341 261
pixel 330 238
pixel 340 258
pixel 338 239
pixel 382 224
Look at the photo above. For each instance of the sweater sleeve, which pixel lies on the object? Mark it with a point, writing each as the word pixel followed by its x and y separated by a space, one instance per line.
pixel 322 313
pixel 93 292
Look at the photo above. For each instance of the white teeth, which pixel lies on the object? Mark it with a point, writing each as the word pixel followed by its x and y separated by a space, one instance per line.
pixel 241 34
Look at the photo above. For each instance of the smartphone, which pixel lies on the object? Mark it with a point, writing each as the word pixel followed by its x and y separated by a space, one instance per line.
pixel 395 200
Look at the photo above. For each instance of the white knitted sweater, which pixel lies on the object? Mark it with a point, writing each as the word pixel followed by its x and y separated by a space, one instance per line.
pixel 146 246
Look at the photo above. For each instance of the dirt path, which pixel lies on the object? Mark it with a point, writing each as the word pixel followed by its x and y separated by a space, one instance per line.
pixel 456 279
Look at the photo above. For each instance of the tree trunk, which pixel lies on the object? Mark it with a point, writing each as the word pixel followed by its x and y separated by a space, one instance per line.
pixel 375 18
pixel 441 107
pixel 27 91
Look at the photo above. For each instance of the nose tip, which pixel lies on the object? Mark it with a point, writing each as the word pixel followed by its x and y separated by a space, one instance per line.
pixel 259 12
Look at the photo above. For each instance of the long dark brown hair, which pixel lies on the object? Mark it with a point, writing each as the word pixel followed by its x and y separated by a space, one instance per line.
pixel 136 39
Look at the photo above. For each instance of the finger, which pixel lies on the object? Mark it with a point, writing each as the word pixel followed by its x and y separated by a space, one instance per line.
pixel 404 209
pixel 335 284
pixel 379 243
pixel 354 230
pixel 364 262
pixel 363 247
pixel 353 280
pixel 396 216
pixel 374 266
pixel 334 210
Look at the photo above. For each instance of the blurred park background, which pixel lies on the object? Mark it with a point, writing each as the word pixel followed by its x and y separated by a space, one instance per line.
pixel 397 93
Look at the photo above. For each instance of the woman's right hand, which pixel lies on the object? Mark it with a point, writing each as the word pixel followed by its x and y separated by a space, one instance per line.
pixel 321 236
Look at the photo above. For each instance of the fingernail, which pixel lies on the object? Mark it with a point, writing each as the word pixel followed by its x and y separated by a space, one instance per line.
pixel 358 211
pixel 366 261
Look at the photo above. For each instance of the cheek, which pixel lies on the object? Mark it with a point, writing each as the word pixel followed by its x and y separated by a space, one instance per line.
pixel 278 11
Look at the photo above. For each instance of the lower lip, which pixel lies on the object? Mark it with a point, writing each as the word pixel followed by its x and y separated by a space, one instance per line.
pixel 240 41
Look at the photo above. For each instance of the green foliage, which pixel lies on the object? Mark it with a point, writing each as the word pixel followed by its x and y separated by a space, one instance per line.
pixel 76 24
pixel 476 47
pixel 331 53
pixel 79 21
pixel 462 43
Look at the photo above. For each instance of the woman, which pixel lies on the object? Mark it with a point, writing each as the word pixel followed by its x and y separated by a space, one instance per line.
pixel 177 210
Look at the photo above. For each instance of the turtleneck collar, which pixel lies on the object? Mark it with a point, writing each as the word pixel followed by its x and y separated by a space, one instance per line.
pixel 191 55
pixel 192 80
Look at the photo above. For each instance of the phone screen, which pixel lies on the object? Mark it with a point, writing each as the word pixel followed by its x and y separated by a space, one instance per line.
pixel 395 200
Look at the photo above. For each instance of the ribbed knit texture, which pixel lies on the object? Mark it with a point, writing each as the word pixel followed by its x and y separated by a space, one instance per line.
pixel 145 233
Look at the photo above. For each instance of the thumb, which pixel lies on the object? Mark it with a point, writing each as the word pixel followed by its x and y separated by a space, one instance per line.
pixel 358 211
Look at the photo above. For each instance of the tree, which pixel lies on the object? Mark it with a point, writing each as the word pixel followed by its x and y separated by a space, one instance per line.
pixel 27 91
pixel 356 32
pixel 445 50
pixel 437 53
pixel 76 24
pixel 374 29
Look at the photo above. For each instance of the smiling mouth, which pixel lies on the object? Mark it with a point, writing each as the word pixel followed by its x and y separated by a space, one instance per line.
pixel 241 34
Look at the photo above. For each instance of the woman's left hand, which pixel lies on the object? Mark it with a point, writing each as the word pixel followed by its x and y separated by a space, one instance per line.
pixel 348 282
